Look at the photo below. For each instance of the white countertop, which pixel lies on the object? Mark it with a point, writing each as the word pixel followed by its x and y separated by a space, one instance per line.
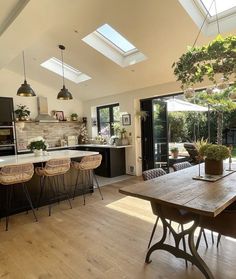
pixel 31 158
pixel 78 145
pixel 104 145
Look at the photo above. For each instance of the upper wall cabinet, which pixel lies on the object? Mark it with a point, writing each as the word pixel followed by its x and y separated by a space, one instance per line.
pixel 6 111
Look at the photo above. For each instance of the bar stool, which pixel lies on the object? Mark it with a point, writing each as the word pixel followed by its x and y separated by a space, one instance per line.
pixel 53 170
pixel 86 165
pixel 16 175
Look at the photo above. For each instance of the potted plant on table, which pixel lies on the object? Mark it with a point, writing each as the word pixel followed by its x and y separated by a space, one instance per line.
pixel 22 112
pixel 74 116
pixel 174 152
pixel 214 155
pixel 37 145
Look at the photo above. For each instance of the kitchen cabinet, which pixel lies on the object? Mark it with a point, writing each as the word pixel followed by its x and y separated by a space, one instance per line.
pixel 6 111
pixel 113 160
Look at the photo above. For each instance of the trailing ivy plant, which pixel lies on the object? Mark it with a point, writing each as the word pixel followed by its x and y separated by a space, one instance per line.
pixel 218 57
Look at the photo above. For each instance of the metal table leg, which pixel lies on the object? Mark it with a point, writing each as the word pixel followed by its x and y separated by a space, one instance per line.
pixel 193 256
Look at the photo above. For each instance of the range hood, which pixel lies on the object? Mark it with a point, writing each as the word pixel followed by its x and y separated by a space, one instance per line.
pixel 43 115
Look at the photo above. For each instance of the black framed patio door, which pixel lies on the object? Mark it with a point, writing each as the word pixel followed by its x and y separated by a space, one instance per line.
pixel 154 133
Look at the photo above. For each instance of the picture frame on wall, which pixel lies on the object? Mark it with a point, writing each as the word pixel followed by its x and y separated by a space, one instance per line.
pixel 126 119
pixel 59 115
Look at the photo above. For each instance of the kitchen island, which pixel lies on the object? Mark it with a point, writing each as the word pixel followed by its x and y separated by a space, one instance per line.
pixel 19 202
pixel 113 158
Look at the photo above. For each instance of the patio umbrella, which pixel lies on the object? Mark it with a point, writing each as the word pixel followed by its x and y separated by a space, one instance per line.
pixel 179 105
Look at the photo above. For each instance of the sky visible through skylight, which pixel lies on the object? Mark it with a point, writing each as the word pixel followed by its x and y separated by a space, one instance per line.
pixel 221 6
pixel 116 38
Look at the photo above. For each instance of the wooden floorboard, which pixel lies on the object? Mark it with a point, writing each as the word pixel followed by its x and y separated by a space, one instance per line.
pixel 101 240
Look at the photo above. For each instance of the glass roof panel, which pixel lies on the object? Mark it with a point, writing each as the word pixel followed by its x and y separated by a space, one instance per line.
pixel 221 6
pixel 115 38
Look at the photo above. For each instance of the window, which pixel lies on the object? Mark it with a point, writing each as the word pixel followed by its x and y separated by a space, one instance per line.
pixel 107 116
pixel 109 42
pixel 55 65
pixel 198 10
pixel 114 37
pixel 221 6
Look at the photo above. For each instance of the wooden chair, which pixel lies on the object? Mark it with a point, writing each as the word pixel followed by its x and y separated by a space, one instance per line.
pixel 16 175
pixel 87 165
pixel 54 168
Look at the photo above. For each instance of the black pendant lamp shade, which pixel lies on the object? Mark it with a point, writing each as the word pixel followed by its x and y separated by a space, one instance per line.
pixel 64 94
pixel 25 90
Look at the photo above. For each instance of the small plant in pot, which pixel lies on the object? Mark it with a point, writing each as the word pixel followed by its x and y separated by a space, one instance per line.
pixel 175 152
pixel 74 116
pixel 22 112
pixel 214 155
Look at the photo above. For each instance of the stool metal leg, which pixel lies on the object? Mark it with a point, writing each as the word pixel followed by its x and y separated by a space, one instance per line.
pixel 66 192
pixel 25 189
pixel 218 240
pixel 42 188
pixel 9 189
pixel 97 184
pixel 76 185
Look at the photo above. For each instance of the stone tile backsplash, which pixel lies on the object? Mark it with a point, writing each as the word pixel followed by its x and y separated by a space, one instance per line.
pixel 51 132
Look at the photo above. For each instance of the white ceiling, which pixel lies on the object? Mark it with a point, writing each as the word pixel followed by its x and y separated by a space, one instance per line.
pixel 159 29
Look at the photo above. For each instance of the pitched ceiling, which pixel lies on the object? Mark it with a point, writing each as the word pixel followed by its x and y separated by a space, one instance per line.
pixel 159 29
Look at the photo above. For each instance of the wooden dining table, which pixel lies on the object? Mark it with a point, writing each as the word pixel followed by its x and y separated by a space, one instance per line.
pixel 184 196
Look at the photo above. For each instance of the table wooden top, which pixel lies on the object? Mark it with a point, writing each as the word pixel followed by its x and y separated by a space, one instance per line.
pixel 179 190
pixel 31 158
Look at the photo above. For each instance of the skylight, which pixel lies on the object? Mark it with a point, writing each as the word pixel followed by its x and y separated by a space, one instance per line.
pixel 114 46
pixel 116 38
pixel 53 64
pixel 198 11
pixel 221 6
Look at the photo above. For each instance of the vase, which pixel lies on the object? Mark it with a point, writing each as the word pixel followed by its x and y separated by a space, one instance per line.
pixel 38 152
pixel 124 141
pixel 213 167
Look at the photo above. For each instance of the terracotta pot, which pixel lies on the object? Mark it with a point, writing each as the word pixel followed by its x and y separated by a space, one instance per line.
pixel 175 154
pixel 213 167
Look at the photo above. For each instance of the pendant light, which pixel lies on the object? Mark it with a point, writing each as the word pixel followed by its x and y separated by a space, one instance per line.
pixel 25 90
pixel 64 94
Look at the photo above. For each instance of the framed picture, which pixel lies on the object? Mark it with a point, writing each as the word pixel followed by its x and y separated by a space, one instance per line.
pixel 59 115
pixel 126 119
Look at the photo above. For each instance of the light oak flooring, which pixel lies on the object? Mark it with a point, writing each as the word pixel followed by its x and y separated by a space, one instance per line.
pixel 101 240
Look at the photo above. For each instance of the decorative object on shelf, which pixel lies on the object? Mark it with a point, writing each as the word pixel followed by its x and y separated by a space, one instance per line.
pixel 123 135
pixel 142 114
pixel 59 115
pixel 198 63
pixel 83 134
pixel 74 117
pixel 22 112
pixel 84 120
pixel 25 90
pixel 214 155
pixel 37 145
pixel 64 94
pixel 126 119
pixel 175 152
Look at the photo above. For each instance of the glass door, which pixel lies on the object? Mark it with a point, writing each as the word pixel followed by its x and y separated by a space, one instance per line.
pixel 154 129
pixel 160 134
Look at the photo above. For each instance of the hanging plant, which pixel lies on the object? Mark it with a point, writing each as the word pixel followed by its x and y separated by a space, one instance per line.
pixel 218 57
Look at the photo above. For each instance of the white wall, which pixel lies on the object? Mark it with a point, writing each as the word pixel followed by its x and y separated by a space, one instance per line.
pixel 10 82
pixel 130 102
